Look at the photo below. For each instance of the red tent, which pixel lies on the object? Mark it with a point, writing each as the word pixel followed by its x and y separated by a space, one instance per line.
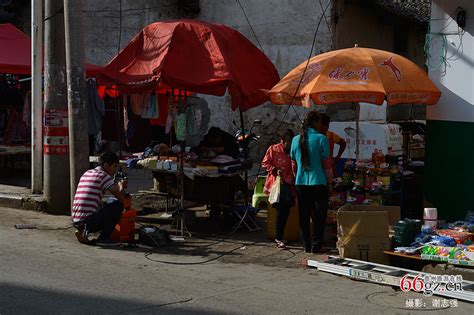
pixel 196 56
pixel 15 52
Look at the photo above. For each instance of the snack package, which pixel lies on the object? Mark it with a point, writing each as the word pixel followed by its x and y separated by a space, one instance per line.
pixel 463 238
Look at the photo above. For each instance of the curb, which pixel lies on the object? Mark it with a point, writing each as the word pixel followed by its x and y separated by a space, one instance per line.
pixel 33 202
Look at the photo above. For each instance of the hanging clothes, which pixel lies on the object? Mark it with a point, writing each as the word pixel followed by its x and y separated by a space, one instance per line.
pixel 139 103
pixel 96 108
pixel 180 128
pixel 163 100
pixel 129 121
pixel 12 129
pixel 151 110
pixel 26 116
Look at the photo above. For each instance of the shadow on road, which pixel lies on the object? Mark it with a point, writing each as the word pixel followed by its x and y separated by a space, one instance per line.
pixel 15 299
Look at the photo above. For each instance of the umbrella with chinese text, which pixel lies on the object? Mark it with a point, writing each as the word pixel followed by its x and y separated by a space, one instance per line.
pixel 356 75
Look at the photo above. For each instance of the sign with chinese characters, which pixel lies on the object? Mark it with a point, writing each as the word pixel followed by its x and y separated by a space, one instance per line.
pixel 56 132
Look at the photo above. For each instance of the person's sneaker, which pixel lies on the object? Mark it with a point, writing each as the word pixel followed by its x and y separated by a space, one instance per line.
pixel 106 242
pixel 82 237
pixel 307 248
pixel 318 249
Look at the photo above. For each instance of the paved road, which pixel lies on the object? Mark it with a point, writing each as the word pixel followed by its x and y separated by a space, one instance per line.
pixel 43 271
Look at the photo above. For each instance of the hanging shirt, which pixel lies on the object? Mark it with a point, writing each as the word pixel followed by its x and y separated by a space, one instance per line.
pixel 318 150
pixel 95 108
pixel 277 158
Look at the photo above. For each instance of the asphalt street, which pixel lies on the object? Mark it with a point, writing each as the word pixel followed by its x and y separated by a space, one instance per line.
pixel 48 272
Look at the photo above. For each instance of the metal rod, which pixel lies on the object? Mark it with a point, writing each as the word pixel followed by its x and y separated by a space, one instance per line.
pixel 246 156
pixel 357 130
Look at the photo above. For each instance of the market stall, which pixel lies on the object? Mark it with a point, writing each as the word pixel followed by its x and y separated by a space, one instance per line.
pixel 365 200
pixel 156 73
pixel 15 94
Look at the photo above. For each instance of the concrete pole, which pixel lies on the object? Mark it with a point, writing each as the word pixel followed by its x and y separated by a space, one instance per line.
pixel 357 152
pixel 37 97
pixel 77 107
pixel 56 134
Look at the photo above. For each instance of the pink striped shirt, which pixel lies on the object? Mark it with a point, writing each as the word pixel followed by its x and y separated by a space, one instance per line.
pixel 89 193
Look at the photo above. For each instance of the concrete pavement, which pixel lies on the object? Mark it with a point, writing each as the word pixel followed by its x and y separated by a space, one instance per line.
pixel 47 271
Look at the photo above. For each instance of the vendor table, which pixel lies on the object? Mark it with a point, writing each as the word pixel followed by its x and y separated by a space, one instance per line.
pixel 215 189
pixel 7 150
pixel 10 153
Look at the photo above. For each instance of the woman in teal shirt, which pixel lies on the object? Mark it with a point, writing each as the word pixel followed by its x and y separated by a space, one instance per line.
pixel 308 150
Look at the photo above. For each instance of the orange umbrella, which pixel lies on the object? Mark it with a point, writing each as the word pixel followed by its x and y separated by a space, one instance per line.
pixel 356 75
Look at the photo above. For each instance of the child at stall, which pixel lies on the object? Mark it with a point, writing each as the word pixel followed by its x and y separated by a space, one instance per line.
pixel 277 162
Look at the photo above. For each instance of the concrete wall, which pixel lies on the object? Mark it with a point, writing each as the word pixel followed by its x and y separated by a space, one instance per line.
pixel 455 78
pixel 450 125
pixel 363 24
pixel 285 29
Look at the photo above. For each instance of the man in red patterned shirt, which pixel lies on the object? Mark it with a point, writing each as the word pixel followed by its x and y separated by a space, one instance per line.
pixel 277 162
pixel 89 215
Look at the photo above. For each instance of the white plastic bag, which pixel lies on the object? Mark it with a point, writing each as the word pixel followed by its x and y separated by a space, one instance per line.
pixel 275 191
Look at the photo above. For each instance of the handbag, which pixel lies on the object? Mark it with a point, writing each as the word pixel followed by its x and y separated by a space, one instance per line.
pixel 274 196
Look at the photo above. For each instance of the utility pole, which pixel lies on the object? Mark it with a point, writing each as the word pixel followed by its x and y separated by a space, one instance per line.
pixel 77 107
pixel 37 97
pixel 56 134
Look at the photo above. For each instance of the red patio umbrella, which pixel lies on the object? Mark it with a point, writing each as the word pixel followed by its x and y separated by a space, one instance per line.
pixel 196 56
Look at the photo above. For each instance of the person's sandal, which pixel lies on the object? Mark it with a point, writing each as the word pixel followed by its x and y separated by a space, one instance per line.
pixel 82 237
pixel 280 244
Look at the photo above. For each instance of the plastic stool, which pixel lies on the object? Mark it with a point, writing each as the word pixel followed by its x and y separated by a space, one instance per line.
pixel 259 198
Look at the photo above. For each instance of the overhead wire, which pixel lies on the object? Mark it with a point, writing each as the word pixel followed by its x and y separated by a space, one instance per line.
pixel 333 42
pixel 117 107
pixel 299 83
pixel 432 37
pixel 54 14
pixel 132 10
pixel 250 25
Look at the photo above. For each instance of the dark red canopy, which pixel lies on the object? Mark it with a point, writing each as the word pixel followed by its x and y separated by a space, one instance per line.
pixel 197 56
pixel 15 52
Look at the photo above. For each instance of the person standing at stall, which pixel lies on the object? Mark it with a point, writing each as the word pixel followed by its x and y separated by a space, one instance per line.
pixel 277 162
pixel 308 150
pixel 333 138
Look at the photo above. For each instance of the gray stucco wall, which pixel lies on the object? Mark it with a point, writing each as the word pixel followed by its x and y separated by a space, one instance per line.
pixel 285 29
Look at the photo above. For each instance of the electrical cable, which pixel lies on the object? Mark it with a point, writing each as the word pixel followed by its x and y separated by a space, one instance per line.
pixel 117 109
pixel 132 10
pixel 54 14
pixel 299 83
pixel 432 37
pixel 333 42
pixel 152 251
pixel 251 28
pixel 55 229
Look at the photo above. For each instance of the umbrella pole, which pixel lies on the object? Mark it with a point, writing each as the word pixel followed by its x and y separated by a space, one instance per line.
pixel 246 156
pixel 357 152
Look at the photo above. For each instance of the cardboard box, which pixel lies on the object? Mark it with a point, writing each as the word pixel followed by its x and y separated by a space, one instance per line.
pixel 363 231
pixel 393 212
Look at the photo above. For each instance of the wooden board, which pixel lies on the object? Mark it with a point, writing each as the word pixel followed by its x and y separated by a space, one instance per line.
pixel 392 253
